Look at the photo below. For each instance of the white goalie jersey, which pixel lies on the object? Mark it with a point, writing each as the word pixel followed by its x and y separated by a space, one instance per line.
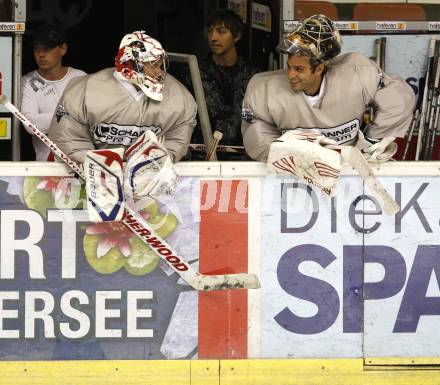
pixel 352 82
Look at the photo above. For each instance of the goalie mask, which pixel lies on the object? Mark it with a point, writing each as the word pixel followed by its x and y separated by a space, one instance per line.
pixel 141 60
pixel 316 36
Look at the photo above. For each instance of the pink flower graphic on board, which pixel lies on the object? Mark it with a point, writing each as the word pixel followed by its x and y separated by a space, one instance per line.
pixel 113 234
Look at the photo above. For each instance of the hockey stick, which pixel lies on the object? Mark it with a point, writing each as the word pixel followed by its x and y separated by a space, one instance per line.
pixel 354 157
pixel 414 123
pixel 220 148
pixel 434 132
pixel 377 44
pixel 143 230
pixel 217 137
pixel 383 44
pixel 432 128
pixel 432 101
pixel 423 111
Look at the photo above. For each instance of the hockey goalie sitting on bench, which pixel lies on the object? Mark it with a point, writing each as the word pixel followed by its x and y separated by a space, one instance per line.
pixel 134 113
pixel 322 97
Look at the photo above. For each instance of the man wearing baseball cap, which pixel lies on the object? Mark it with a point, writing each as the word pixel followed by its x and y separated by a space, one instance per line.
pixel 42 88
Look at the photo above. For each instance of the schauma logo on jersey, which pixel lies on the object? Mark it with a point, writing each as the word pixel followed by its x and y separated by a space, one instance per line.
pixel 113 133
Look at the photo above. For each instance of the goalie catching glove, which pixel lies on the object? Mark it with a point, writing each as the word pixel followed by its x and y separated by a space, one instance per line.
pixel 305 155
pixel 149 168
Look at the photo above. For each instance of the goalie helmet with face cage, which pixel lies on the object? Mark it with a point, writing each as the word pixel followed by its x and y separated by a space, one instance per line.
pixel 141 60
pixel 316 36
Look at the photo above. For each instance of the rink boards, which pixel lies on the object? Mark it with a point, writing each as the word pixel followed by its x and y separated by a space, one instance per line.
pixel 346 290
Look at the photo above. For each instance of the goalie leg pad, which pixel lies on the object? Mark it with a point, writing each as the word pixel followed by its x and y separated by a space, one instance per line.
pixel 104 185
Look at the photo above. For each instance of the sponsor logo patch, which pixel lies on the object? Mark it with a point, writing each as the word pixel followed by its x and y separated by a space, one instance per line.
pixel 341 134
pixel 247 115
pixel 390 26
pixel 113 133
pixel 60 111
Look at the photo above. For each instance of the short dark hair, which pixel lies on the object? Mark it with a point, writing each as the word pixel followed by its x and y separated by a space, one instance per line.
pixel 229 18
pixel 313 61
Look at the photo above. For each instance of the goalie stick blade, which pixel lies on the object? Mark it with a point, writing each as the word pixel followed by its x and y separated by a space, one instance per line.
pixel 134 221
pixel 140 228
pixel 354 157
pixel 225 282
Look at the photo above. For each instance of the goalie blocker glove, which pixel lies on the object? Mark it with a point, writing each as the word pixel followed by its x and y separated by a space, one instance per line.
pixel 305 156
pixel 149 168
pixel 104 185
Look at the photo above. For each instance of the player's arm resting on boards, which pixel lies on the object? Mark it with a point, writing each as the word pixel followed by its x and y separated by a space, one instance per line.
pixel 69 128
pixel 257 126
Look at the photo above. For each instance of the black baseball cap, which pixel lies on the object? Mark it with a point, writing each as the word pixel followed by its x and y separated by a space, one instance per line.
pixel 50 37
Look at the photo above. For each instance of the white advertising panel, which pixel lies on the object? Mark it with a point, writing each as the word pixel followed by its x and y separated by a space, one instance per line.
pixel 342 279
pixel 402 273
pixel 304 236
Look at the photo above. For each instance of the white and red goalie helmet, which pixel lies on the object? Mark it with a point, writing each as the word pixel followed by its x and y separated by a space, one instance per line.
pixel 136 50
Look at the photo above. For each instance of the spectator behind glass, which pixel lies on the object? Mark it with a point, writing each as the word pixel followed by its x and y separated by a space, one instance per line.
pixel 41 89
pixel 225 75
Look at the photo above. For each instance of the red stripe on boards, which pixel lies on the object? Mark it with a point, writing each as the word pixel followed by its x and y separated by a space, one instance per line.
pixel 223 248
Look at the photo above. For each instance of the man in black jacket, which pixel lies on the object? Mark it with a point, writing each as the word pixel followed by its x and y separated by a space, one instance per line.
pixel 225 75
